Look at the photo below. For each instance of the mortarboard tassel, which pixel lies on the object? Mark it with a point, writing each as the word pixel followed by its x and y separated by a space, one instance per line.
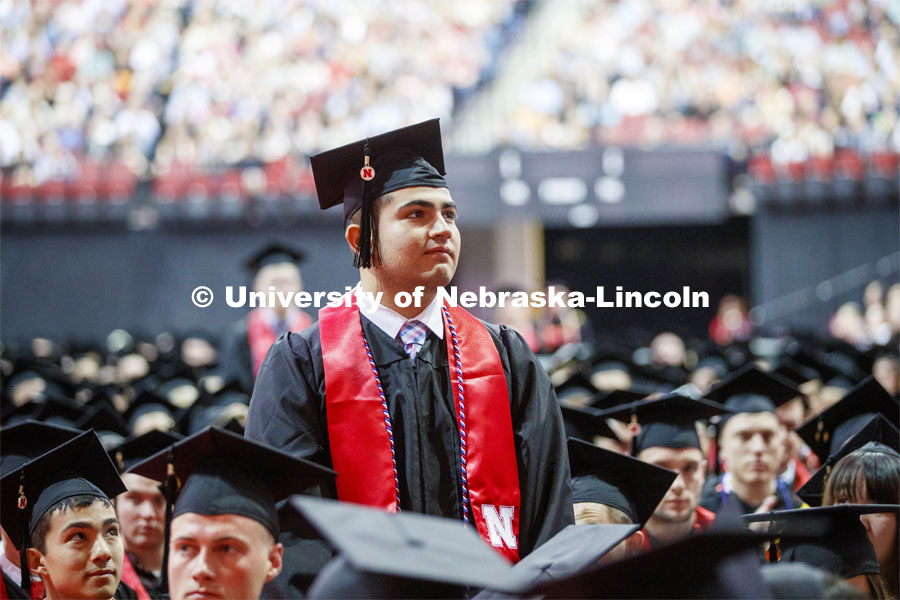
pixel 368 243
pixel 24 542
pixel 171 488
pixel 773 552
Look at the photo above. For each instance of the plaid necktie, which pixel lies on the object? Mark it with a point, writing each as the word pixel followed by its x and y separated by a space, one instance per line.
pixel 413 334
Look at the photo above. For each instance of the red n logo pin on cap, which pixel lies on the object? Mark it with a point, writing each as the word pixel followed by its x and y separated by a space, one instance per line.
pixel 367 173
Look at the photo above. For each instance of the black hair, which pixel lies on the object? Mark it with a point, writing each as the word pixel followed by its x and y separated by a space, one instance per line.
pixel 878 471
pixel 39 535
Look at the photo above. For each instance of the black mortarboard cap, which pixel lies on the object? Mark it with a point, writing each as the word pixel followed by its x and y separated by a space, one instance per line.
pixel 224 473
pixel 750 379
pixel 828 430
pixel 11 415
pixel 607 400
pixel 148 401
pixel 585 423
pixel 713 361
pixel 622 482
pixel 844 549
pixel 136 449
pixel 811 356
pixel 575 390
pixel 794 371
pixel 795 581
pixel 666 421
pixel 570 551
pixel 78 464
pixel 748 403
pixel 848 361
pixel 57 382
pixel 273 254
pixel 711 564
pixel 400 554
pixel 74 468
pixel 877 435
pixel 29 439
pixel 234 426
pixel 356 174
pixel 103 417
pixel 59 410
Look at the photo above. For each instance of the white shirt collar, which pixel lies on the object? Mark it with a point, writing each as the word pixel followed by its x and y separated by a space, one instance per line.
pixel 390 321
pixel 14 572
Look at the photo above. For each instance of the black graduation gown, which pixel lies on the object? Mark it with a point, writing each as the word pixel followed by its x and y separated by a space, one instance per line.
pixel 287 411
pixel 13 590
pixel 124 592
pixel 234 356
pixel 711 497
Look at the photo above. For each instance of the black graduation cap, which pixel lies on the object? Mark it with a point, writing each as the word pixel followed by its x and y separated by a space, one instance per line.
pixel 103 417
pixel 745 403
pixel 585 423
pixel 622 482
pixel 148 401
pixel 606 400
pixel 273 254
pixel 666 421
pixel 55 380
pixel 60 410
pixel 234 426
pixel 844 549
pixel 224 473
pixel 877 435
pixel 796 581
pixel 139 448
pixel 357 173
pixel 575 390
pixel 180 392
pixel 389 555
pixel 827 431
pixel 29 439
pixel 848 361
pixel 570 551
pixel 716 563
pixel 750 379
pixel 77 467
pixel 794 371
pixel 712 361
pixel 811 356
pixel 605 364
pixel 11 415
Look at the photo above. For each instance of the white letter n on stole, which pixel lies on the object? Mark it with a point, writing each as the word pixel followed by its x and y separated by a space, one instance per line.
pixel 500 525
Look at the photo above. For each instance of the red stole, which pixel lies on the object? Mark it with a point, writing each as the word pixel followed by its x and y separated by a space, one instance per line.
pixel 131 579
pixel 358 438
pixel 261 336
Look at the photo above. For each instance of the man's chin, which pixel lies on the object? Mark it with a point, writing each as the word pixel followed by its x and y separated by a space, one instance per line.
pixel 674 518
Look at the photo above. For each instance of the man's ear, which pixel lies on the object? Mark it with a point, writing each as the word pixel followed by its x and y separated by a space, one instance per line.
pixel 276 554
pixel 351 234
pixel 633 543
pixel 36 562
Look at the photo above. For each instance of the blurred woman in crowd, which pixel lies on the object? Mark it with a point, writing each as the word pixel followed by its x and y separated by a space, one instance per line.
pixel 871 475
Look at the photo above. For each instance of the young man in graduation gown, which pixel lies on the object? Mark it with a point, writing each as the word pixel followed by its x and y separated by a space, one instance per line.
pixel 23 442
pixel 425 408
pixel 275 267
pixel 667 437
pixel 223 529
pixel 59 506
pixel 750 450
